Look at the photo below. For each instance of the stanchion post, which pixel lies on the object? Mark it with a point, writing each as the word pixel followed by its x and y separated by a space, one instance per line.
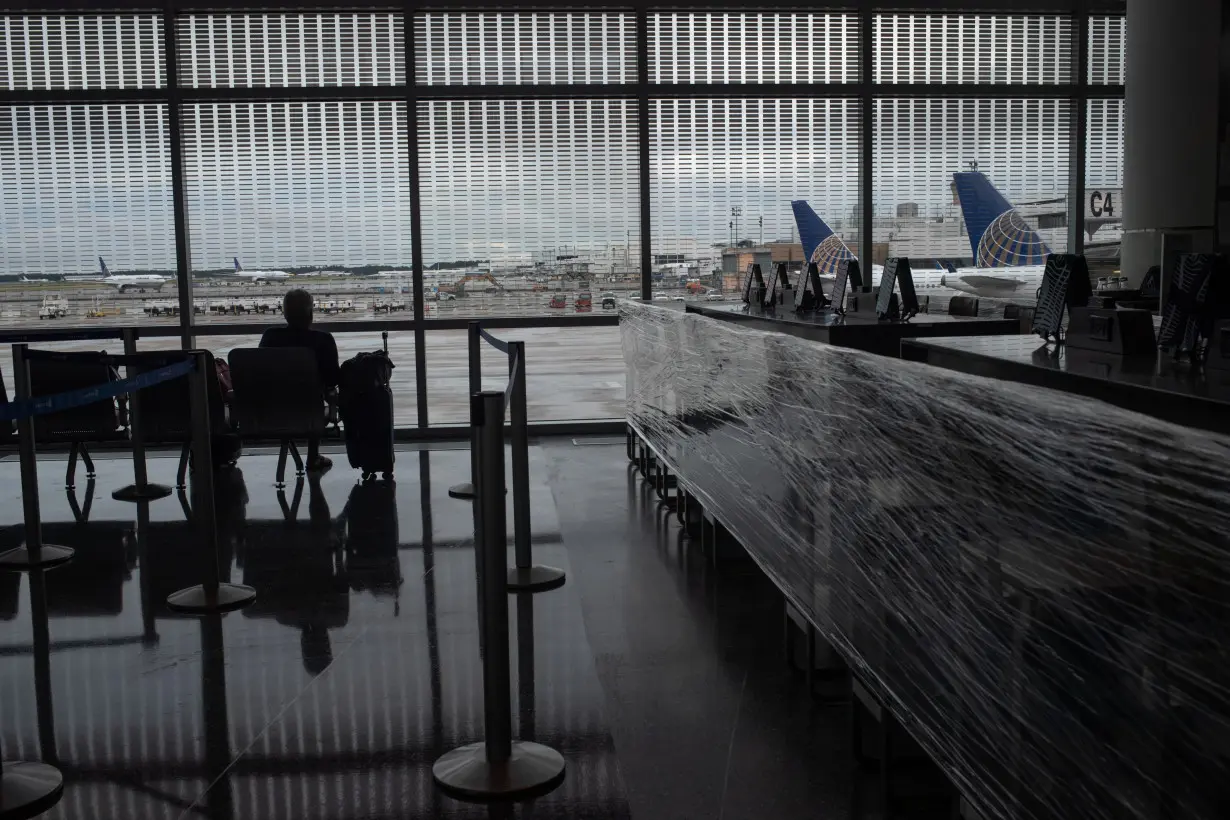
pixel 525 576
pixel 211 596
pixel 140 489
pixel 27 788
pixel 474 343
pixel 498 768
pixel 34 554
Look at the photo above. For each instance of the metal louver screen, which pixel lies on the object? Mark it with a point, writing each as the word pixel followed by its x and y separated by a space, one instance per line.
pixel 709 156
pixel 1107 36
pixel 79 51
pixel 291 50
pixel 1104 147
pixel 459 48
pixel 519 181
pixel 753 48
pixel 972 49
pixel 1021 146
pixel 303 184
pixel 83 181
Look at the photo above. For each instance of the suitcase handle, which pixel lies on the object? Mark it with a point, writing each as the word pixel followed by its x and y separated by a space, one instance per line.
pixel 384 337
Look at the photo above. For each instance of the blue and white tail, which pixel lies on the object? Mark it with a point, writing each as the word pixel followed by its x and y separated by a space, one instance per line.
pixel 820 244
pixel 238 267
pixel 998 236
pixel 102 266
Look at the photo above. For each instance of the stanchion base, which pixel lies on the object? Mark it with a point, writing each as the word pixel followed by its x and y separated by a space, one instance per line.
pixel 19 560
pixel 531 771
pixel 196 601
pixel 28 789
pixel 534 579
pixel 465 490
pixel 134 492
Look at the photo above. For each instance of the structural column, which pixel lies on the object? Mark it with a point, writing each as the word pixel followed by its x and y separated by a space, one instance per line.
pixel 1170 128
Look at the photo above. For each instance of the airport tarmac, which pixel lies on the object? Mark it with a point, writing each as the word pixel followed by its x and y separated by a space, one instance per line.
pixel 571 373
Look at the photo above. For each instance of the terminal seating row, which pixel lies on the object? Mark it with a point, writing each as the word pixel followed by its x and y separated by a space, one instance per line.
pixel 277 396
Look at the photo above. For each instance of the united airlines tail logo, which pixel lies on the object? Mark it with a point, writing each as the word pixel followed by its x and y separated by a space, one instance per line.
pixel 1008 241
pixel 829 253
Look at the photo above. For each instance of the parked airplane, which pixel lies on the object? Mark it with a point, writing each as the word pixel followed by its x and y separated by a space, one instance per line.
pixel 1009 256
pixel 130 281
pixel 32 280
pixel 825 248
pixel 258 275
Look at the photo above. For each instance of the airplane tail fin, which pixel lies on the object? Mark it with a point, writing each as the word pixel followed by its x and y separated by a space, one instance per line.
pixel 238 267
pixel 102 266
pixel 820 244
pixel 998 235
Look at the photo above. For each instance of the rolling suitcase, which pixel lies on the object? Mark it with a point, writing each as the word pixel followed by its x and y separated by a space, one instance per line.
pixel 366 405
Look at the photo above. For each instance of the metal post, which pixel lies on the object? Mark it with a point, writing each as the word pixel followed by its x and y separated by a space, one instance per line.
pixel 34 554
pixel 140 489
pixel 27 788
pixel 179 189
pixel 212 596
pixel 466 488
pixel 498 767
pixel 525 576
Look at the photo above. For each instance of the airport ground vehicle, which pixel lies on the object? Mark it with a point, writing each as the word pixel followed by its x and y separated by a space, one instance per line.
pixel 388 305
pixel 661 297
pixel 714 297
pixel 558 301
pixel 584 303
pixel 53 307
pixel 608 301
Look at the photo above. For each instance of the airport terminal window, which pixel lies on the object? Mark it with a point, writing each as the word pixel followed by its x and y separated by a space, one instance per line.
pixel 971 48
pixel 1103 205
pixel 79 182
pixel 1020 145
pixel 270 50
pixel 540 193
pixel 724 171
pixel 298 186
pixel 475 48
pixel 81 51
pixel 1107 37
pixel 737 47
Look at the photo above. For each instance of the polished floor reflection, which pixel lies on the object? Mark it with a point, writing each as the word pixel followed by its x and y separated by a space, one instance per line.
pixel 329 697
pixel 659 678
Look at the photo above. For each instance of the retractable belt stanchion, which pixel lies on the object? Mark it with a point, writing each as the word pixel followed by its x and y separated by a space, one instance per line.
pixel 140 489
pixel 466 488
pixel 28 789
pixel 526 576
pixel 498 768
pixel 211 596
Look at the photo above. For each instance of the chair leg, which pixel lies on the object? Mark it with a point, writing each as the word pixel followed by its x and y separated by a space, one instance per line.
pixel 70 474
pixel 294 453
pixel 181 477
pixel 279 479
pixel 89 462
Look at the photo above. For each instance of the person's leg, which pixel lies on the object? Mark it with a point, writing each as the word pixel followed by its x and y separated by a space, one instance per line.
pixel 315 461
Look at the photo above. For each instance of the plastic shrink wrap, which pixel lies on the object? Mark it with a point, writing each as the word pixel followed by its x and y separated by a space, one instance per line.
pixel 1035 583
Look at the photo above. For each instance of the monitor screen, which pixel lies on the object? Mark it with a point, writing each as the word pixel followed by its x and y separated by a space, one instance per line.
pixel 888 279
pixel 905 286
pixel 770 290
pixel 745 288
pixel 809 281
pixel 847 274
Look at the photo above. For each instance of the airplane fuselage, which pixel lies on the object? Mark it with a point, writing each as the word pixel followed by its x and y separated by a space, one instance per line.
pixel 135 282
pixel 1003 283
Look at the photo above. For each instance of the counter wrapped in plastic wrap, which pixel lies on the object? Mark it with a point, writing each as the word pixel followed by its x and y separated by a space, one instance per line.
pixel 1035 583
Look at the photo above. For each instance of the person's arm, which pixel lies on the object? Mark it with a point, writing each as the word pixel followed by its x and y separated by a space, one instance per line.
pixel 332 371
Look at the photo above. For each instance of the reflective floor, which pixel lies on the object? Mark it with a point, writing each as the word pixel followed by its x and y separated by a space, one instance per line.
pixel 659 679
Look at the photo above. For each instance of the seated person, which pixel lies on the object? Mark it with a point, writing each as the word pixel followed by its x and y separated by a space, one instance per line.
pixel 298 332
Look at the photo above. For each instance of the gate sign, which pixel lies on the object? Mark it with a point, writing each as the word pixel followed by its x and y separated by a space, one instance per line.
pixel 1103 204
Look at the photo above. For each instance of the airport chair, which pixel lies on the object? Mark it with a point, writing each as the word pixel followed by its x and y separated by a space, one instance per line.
pixel 963 306
pixel 278 395
pixel 79 427
pixel 166 416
